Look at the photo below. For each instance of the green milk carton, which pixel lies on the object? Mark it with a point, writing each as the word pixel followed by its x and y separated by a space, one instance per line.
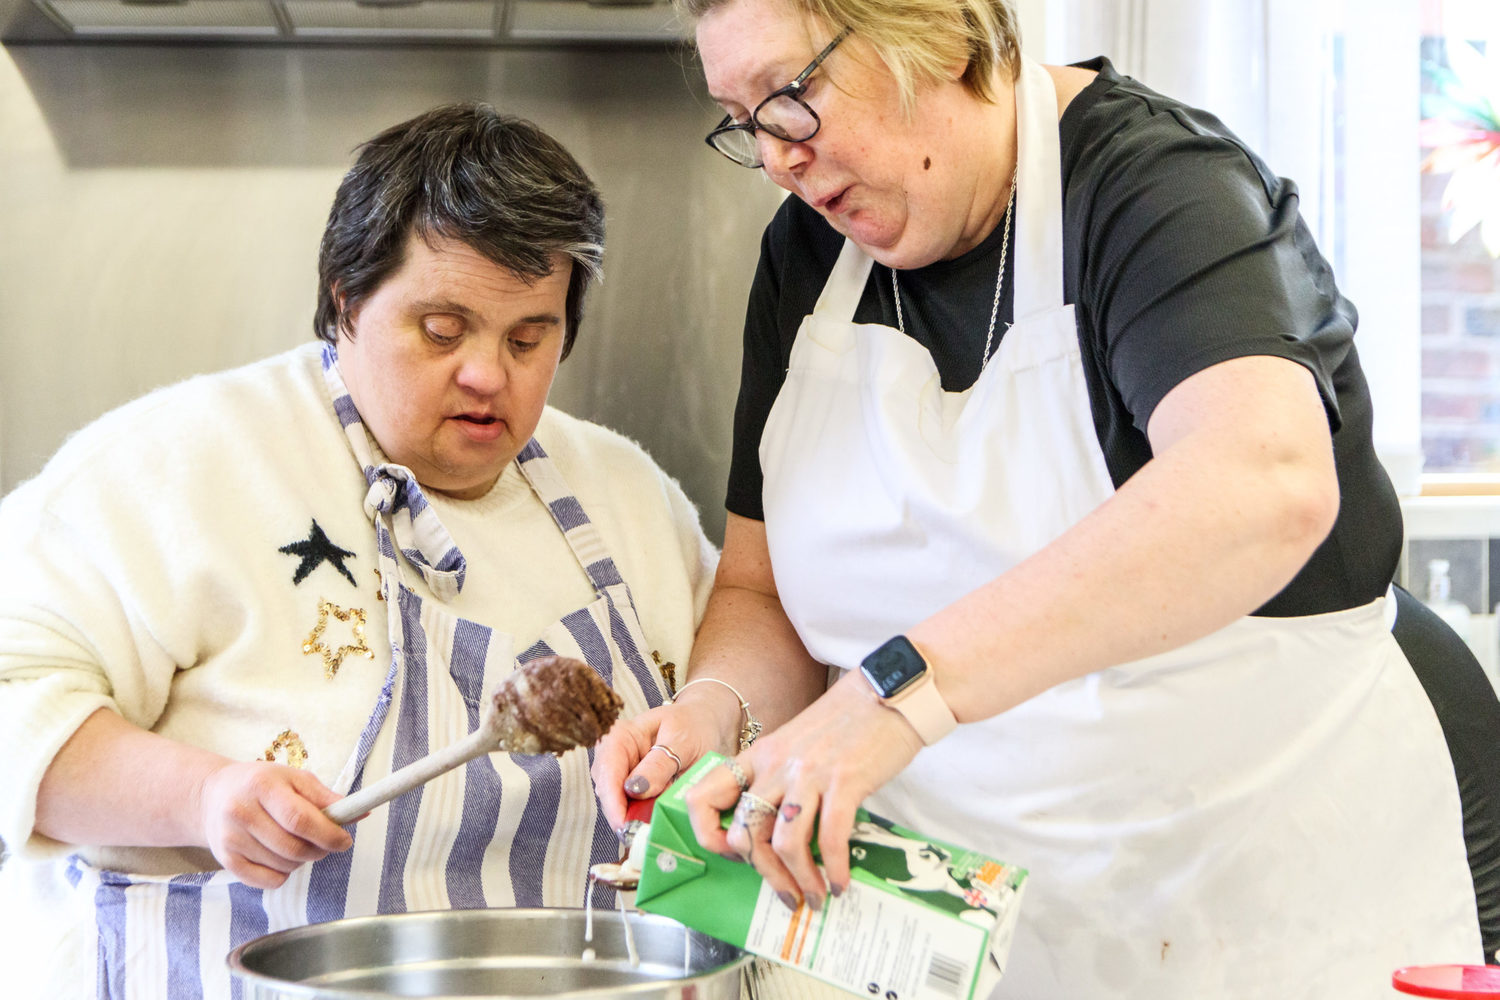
pixel 921 920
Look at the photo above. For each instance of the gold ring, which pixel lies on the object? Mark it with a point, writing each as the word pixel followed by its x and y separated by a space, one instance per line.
pixel 668 751
pixel 734 768
pixel 752 807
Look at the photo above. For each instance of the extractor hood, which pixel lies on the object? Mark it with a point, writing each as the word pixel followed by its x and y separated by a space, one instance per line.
pixel 361 22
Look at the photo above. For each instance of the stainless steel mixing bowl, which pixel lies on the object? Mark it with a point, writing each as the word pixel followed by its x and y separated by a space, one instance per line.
pixel 488 953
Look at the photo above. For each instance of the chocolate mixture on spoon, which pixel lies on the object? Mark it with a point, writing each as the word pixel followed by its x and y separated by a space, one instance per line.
pixel 552 704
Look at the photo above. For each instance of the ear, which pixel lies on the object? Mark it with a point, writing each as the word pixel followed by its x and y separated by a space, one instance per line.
pixel 338 301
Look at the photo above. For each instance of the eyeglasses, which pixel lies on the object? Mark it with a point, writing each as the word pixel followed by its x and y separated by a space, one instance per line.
pixel 784 115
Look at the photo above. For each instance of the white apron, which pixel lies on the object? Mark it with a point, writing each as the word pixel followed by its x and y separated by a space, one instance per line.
pixel 1270 811
pixel 503 830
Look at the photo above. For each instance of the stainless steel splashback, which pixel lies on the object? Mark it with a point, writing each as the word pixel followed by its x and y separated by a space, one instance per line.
pixel 312 22
pixel 162 208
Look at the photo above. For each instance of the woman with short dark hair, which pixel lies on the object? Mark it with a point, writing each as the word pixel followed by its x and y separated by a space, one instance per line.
pixel 236 600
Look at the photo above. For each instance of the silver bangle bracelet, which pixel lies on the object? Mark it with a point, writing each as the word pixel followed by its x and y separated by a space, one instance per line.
pixel 750 727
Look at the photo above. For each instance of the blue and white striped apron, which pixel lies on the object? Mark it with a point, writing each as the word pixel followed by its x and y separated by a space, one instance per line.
pixel 504 830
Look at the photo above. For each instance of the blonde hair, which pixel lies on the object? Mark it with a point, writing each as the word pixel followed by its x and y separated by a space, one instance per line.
pixel 918 39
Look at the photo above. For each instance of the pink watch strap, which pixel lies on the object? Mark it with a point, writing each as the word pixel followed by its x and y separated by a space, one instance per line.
pixel 925 709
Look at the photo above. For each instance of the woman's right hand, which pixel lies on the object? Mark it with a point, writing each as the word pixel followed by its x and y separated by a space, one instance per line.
pixel 626 765
pixel 262 821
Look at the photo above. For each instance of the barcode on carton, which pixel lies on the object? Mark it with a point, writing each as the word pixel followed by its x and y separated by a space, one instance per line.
pixel 946 975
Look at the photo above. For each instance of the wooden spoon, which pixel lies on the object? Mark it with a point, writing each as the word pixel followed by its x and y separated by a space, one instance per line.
pixel 547 705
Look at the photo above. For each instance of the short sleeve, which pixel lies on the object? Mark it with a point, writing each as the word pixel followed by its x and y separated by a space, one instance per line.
pixel 1194 254
pixel 797 253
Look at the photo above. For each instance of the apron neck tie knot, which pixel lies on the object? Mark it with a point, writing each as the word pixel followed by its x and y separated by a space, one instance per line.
pixel 404 520
pixel 383 495
pixel 395 498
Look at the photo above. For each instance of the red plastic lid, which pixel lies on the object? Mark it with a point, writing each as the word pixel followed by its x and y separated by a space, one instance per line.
pixel 1459 981
pixel 639 809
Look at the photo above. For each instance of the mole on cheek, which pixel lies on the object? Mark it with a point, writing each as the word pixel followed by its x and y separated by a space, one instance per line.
pixel 926 163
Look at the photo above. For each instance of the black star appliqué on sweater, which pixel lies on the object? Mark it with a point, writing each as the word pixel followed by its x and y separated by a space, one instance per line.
pixel 315 550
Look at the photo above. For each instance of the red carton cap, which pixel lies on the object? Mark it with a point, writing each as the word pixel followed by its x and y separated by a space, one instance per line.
pixel 1463 982
pixel 639 809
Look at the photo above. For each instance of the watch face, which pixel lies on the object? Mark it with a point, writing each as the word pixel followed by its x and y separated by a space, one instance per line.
pixel 895 665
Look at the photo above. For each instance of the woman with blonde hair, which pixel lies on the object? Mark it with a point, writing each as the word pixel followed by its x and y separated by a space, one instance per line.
pixel 1053 454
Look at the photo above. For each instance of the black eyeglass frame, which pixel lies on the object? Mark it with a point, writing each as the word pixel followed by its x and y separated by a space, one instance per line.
pixel 792 90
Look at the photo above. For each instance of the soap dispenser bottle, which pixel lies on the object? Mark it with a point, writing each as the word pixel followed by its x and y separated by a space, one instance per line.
pixel 1440 599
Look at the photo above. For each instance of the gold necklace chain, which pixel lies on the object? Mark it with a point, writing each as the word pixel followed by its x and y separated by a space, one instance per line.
pixel 989 337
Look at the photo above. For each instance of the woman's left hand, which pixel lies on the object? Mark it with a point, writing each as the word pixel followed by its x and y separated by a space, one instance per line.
pixel 819 766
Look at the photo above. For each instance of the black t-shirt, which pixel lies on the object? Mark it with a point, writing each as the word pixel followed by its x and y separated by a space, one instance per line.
pixel 1181 250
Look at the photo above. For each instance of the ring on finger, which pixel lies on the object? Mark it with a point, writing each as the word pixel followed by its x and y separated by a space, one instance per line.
pixel 733 767
pixel 668 751
pixel 752 808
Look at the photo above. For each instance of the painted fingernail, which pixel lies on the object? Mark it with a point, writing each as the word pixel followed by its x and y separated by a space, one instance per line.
pixel 836 889
pixel 814 903
pixel 637 786
pixel 787 900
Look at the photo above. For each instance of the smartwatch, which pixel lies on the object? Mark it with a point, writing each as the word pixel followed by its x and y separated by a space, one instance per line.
pixel 904 682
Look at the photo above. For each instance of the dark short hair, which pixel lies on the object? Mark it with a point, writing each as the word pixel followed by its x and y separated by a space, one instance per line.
pixel 463 172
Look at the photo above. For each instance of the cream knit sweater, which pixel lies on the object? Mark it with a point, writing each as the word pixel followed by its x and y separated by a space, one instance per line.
pixel 144 572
